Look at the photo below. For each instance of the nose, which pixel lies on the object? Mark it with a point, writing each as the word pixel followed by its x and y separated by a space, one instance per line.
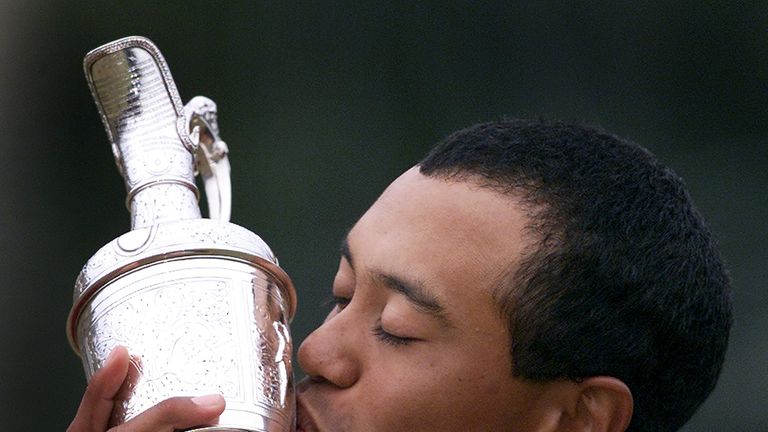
pixel 330 353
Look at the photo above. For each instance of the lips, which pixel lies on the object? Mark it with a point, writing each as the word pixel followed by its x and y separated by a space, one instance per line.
pixel 304 421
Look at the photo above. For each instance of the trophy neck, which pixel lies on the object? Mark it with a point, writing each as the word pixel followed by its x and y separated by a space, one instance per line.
pixel 163 203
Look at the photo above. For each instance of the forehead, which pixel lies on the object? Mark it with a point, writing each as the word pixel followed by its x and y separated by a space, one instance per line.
pixel 455 237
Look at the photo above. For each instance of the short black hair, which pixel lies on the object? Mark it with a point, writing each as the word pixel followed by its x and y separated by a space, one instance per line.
pixel 624 278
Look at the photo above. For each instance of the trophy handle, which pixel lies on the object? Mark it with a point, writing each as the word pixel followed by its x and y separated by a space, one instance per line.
pixel 211 156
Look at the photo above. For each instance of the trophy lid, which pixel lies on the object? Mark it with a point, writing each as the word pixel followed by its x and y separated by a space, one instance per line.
pixel 144 119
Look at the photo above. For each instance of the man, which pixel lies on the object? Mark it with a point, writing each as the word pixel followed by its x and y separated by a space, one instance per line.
pixel 525 276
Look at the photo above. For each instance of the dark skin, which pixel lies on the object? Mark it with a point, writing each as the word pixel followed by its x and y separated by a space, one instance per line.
pixel 170 415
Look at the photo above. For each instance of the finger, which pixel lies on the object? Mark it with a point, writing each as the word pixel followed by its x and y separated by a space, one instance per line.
pixel 98 400
pixel 176 413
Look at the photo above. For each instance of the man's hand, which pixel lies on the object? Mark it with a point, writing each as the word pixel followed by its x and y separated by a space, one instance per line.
pixel 171 414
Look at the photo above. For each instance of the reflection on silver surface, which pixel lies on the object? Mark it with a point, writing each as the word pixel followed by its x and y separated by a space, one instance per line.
pixel 201 304
pixel 142 113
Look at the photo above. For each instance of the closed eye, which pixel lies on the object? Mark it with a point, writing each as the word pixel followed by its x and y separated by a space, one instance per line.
pixel 340 302
pixel 389 338
pixel 336 302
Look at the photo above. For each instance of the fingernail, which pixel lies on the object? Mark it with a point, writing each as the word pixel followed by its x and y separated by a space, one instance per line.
pixel 207 400
pixel 112 355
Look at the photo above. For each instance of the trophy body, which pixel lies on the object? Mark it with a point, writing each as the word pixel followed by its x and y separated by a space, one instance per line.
pixel 201 304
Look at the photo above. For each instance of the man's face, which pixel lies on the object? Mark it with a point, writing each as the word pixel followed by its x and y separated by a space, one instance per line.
pixel 415 342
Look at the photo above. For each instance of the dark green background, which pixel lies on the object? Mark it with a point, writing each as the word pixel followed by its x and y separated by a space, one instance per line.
pixel 324 103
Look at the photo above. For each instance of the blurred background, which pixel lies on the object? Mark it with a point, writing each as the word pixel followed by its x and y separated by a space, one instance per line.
pixel 324 103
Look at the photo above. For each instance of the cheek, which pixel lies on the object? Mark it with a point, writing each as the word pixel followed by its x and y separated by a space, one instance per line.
pixel 432 401
pixel 441 384
pixel 477 376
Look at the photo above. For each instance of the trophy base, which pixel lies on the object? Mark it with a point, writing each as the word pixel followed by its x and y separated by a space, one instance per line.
pixel 224 428
pixel 219 429
pixel 240 421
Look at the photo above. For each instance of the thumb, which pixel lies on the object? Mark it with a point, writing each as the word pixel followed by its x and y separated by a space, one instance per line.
pixel 98 400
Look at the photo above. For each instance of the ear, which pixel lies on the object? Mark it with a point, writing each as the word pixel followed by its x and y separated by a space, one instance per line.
pixel 604 404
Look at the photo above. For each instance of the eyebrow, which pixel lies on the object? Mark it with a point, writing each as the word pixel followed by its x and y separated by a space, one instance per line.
pixel 344 250
pixel 414 291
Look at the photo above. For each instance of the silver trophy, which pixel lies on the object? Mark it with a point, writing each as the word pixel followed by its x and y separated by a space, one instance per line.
pixel 201 304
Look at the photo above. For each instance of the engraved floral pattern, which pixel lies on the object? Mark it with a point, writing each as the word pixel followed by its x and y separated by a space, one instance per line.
pixel 186 336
